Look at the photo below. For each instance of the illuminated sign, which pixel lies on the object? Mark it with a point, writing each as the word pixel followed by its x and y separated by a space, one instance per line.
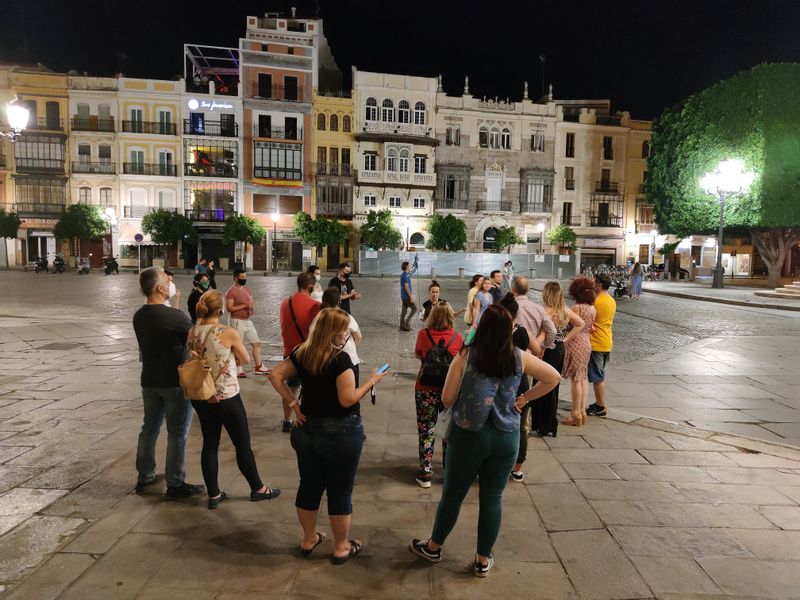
pixel 209 105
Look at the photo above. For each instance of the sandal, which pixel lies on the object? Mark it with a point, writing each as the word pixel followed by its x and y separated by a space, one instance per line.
pixel 306 552
pixel 355 548
pixel 572 420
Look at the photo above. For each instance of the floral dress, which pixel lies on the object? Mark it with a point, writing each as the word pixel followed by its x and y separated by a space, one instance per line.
pixel 579 349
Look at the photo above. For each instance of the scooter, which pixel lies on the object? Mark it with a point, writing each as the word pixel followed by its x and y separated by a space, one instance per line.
pixel 40 265
pixel 59 265
pixel 111 265
pixel 83 266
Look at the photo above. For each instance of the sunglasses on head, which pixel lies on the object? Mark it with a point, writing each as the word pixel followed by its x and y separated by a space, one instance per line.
pixel 442 302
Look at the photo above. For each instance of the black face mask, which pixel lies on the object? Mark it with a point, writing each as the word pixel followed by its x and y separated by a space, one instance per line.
pixel 347 275
pixel 241 281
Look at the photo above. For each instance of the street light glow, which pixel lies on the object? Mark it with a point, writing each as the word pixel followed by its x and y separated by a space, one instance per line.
pixel 540 227
pixel 276 216
pixel 17 116
pixel 731 177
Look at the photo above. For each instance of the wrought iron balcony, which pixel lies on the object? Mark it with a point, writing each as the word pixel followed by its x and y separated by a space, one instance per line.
pixel 163 170
pixel 278 133
pixel 39 164
pixel 536 207
pixel 92 124
pixel 150 127
pixel 206 127
pixel 571 220
pixel 278 92
pixel 103 168
pixel 136 211
pixel 450 204
pixel 569 184
pixel 335 209
pixel 501 206
pixel 209 215
pixel 278 173
pixel 212 170
pixel 45 124
pixel 36 210
pixel 600 220
pixel 333 169
pixel 606 187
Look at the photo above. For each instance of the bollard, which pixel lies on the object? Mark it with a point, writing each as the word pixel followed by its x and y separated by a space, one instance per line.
pixel 460 273
pixel 533 274
pixel 433 273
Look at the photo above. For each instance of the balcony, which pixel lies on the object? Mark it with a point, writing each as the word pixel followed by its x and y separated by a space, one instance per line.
pixel 426 179
pixel 221 88
pixel 569 184
pixel 149 127
pixel 45 124
pixel 536 207
pixel 278 92
pixel 335 209
pixel 39 164
pixel 217 128
pixel 136 211
pixel 278 173
pixel 278 133
pixel 333 169
pixel 450 204
pixel 92 124
pixel 601 220
pixel 606 187
pixel 571 220
pixel 99 168
pixel 370 176
pixel 161 170
pixel 209 215
pixel 212 170
pixel 35 210
pixel 494 206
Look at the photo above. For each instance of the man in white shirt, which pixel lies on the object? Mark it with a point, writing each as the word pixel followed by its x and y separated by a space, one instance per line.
pixel 174 293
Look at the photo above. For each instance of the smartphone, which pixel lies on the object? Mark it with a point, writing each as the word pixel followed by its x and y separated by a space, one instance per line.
pixel 383 369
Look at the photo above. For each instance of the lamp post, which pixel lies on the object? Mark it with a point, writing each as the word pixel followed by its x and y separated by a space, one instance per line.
pixel 17 118
pixel 407 222
pixel 730 178
pixel 275 217
pixel 540 229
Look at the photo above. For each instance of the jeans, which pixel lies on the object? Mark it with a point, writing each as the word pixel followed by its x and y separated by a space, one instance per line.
pixel 230 414
pixel 328 451
pixel 411 308
pixel 158 403
pixel 490 454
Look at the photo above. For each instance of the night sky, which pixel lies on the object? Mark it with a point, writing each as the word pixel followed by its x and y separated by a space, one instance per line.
pixel 645 54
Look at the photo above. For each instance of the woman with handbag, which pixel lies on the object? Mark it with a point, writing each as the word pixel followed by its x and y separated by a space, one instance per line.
pixel 481 387
pixel 439 333
pixel 222 349
pixel 328 434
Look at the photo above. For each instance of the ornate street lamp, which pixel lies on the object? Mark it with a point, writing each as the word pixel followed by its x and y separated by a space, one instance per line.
pixel 540 229
pixel 730 178
pixel 17 116
pixel 275 218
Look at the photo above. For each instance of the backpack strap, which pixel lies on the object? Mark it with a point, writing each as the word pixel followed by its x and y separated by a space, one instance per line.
pixel 430 337
pixel 452 339
pixel 294 320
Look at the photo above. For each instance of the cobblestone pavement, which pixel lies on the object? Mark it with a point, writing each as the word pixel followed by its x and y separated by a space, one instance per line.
pixel 622 508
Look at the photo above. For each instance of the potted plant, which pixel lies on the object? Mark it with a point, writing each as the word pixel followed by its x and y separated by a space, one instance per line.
pixel 564 237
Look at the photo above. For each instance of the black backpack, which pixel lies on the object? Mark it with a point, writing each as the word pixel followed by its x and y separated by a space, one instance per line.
pixel 436 362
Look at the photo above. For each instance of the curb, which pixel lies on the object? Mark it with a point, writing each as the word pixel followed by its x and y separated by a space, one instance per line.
pixel 722 300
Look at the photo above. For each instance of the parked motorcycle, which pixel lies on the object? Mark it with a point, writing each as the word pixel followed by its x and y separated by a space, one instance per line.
pixel 59 264
pixel 111 265
pixel 83 265
pixel 41 265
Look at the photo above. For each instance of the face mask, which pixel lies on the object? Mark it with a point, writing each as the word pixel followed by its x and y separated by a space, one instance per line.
pixel 317 277
pixel 241 281
pixel 204 285
pixel 347 275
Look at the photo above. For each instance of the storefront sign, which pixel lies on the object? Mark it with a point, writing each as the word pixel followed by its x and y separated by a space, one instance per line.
pixel 209 105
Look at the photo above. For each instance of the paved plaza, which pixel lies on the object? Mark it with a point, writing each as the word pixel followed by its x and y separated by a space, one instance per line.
pixel 689 489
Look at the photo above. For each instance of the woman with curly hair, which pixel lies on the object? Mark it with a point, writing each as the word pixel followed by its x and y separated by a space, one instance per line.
pixel 579 348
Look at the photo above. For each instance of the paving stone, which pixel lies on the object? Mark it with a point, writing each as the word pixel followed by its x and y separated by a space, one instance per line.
pixel 28 501
pixel 754 577
pixel 562 507
pixel 785 517
pixel 620 512
pixel 732 494
pixel 709 515
pixel 632 441
pixel 674 575
pixel 668 473
pixel 589 471
pixel 762 461
pixel 542 467
pixel 31 543
pixel 521 579
pixel 792 492
pixel 75 470
pixel 677 541
pixel 8 522
pixel 597 455
pixel 687 458
pixel 754 476
pixel 770 544
pixel 50 581
pixel 643 491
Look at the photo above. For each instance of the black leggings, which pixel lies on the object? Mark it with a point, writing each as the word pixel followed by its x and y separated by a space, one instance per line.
pixel 230 414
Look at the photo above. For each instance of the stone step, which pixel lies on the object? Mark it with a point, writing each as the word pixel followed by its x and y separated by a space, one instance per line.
pixel 792 286
pixel 788 293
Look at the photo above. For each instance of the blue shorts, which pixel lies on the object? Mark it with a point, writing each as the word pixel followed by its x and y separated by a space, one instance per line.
pixel 597 366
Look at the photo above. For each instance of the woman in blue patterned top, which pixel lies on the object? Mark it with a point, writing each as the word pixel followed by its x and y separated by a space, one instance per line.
pixel 481 386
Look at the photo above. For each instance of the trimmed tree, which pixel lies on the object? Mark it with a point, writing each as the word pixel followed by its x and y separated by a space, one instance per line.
pixel 9 224
pixel 506 237
pixel 753 116
pixel 447 233
pixel 379 231
pixel 82 221
pixel 168 227
pixel 319 232
pixel 241 228
pixel 562 236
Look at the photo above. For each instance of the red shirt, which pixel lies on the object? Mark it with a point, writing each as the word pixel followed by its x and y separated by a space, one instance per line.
pixel 424 344
pixel 241 295
pixel 305 309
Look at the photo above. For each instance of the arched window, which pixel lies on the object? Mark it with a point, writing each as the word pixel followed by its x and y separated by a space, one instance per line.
pixel 505 140
pixel 419 113
pixel 483 137
pixel 404 112
pixel 489 237
pixel 372 109
pixel 391 160
pixel 334 123
pixel 417 239
pixel 321 122
pixel 85 195
pixel 105 196
pixel 404 160
pixel 346 123
pixel 494 138
pixel 387 111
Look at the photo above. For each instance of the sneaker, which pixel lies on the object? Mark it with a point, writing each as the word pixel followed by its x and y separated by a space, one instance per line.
pixel 420 548
pixel 596 410
pixel 141 486
pixel 517 476
pixel 483 570
pixel 184 490
pixel 268 494
pixel 423 480
pixel 260 370
pixel 286 427
pixel 215 502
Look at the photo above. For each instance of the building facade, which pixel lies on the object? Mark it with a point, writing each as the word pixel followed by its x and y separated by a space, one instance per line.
pixel 395 150
pixel 494 166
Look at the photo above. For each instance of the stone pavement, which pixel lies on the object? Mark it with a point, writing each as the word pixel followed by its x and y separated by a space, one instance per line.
pixel 743 293
pixel 622 508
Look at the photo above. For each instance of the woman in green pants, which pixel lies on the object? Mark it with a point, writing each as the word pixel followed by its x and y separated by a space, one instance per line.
pixel 481 387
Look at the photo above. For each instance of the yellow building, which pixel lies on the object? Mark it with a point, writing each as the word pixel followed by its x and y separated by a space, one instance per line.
pixel 641 238
pixel 33 170
pixel 333 148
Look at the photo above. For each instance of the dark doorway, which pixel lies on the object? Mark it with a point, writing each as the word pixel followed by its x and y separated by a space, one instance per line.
pixel 260 257
pixel 333 257
pixel 297 256
pixel 488 238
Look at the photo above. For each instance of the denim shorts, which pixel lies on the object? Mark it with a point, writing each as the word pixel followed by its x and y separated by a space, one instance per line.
pixel 597 366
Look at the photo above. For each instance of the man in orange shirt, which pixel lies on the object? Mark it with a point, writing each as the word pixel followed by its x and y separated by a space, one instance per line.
pixel 602 343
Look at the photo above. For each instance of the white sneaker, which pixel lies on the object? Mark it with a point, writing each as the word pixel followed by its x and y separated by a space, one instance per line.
pixel 518 476
pixel 423 483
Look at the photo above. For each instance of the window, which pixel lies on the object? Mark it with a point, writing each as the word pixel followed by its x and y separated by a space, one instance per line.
pixel 290 50
pixel 404 112
pixel 334 123
pixel 265 47
pixel 494 138
pixel 569 178
pixel 370 161
pixel 278 160
pixel 36 190
pixel 646 214
pixel 83 112
pixel 210 158
pixel 322 157
pixel 645 149
pixel 450 188
pixel 387 111
pixel 394 201
pixel 370 200
pixel 608 148
pixel 165 125
pixel 505 141
pixel 346 124
pixel 166 199
pixel 264 85
pixel 537 141
pixel 372 110
pixel 321 122
pixel 420 162
pixel 84 152
pixel 42 152
pixel 290 127
pixel 566 214
pixel 104 113
pixel 289 88
pixel 264 126
pixel 569 151
pixel 137 157
pixel 538 195
pixel 605 178
pixel 104 152
pixel 419 202
pixel 452 136
pixel 105 196
pixel 346 160
pixel 483 137
pixel 334 156
pixel 391 160
pixel 85 195
pixel 419 113
pixel 210 201
pixel 404 161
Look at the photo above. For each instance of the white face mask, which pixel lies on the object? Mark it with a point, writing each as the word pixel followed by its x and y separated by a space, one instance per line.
pixel 317 277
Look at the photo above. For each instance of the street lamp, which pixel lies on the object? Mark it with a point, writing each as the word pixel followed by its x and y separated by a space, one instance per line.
pixel 540 229
pixel 275 217
pixel 17 117
pixel 407 222
pixel 730 178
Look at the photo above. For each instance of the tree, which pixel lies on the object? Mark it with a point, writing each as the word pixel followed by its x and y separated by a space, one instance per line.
pixel 82 221
pixel 562 236
pixel 319 232
pixel 753 116
pixel 241 228
pixel 506 237
pixel 168 227
pixel 9 224
pixel 379 231
pixel 447 233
